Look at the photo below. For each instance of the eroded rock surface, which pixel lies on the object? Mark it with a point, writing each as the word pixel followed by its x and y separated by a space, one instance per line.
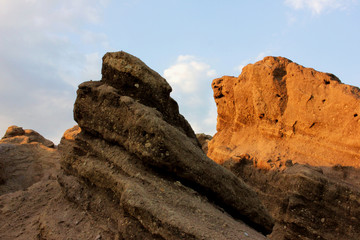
pixel 26 157
pixel 204 139
pixel 15 134
pixel 292 133
pixel 279 109
pixel 135 146
pixel 307 202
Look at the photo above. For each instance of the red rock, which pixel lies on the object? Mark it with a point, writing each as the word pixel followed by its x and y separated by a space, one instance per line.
pixel 277 109
pixel 292 134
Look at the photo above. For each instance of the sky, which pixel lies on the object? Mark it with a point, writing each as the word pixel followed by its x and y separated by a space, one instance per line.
pixel 47 48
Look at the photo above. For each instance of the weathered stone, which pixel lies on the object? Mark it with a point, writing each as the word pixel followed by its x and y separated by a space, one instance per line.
pixel 305 201
pixel 277 108
pixel 131 77
pixel 204 139
pixel 25 160
pixel 15 134
pixel 134 143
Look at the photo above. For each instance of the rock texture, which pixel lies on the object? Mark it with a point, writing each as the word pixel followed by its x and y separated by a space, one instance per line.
pixel 15 134
pixel 135 147
pixel 204 139
pixel 26 157
pixel 279 109
pixel 307 202
pixel 28 169
pixel 292 133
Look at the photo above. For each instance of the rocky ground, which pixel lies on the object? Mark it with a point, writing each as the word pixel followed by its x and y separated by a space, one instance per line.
pixel 134 169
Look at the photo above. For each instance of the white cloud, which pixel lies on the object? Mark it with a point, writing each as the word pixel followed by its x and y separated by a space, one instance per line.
pixel 44 56
pixel 188 73
pixel 191 80
pixel 238 69
pixel 260 56
pixel 319 6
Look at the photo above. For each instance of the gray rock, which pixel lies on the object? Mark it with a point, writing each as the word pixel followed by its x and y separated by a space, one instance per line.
pixel 134 143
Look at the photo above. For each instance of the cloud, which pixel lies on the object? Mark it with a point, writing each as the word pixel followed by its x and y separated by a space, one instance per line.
pixel 188 73
pixel 47 49
pixel 260 56
pixel 191 80
pixel 319 6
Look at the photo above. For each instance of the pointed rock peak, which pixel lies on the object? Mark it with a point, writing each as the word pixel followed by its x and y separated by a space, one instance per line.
pixel 126 75
pixel 122 69
pixel 134 143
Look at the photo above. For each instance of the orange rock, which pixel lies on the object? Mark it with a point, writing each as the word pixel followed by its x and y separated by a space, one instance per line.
pixel 71 133
pixel 18 135
pixel 279 110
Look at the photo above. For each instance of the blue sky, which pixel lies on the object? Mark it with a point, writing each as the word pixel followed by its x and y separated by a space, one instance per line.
pixel 47 48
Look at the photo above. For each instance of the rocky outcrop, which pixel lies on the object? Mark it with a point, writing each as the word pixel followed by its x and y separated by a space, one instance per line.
pixel 135 150
pixel 15 134
pixel 279 109
pixel 26 157
pixel 307 202
pixel 29 166
pixel 292 134
pixel 204 139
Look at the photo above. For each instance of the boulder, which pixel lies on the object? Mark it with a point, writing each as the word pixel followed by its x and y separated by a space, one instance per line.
pixel 135 146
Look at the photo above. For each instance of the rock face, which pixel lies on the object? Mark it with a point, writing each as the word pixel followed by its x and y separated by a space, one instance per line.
pixel 136 151
pixel 29 166
pixel 26 157
pixel 15 134
pixel 307 202
pixel 292 133
pixel 204 139
pixel 279 109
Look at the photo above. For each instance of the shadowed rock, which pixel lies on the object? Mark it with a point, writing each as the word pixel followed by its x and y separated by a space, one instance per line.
pixel 135 144
pixel 204 140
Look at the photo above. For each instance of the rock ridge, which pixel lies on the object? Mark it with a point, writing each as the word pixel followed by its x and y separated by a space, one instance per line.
pixel 134 143
pixel 277 108
pixel 292 133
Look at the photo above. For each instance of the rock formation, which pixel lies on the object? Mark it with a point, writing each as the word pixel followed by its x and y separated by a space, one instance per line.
pixel 28 169
pixel 135 146
pixel 307 202
pixel 134 169
pixel 204 139
pixel 15 134
pixel 279 109
pixel 292 133
pixel 26 157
